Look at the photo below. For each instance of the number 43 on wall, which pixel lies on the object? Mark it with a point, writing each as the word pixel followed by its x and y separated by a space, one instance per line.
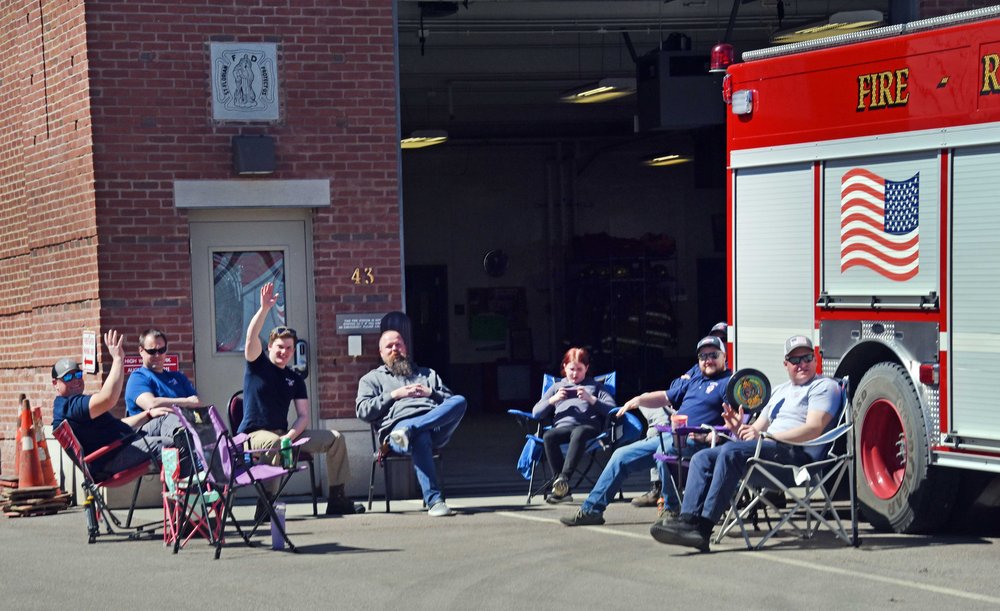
pixel 363 275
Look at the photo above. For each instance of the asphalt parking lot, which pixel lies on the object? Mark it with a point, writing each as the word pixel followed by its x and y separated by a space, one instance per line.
pixel 497 553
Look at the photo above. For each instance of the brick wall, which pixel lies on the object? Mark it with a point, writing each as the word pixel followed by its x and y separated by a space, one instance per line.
pixel 48 233
pixel 103 112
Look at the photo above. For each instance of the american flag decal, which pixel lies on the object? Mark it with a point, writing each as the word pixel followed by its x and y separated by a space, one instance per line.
pixel 879 224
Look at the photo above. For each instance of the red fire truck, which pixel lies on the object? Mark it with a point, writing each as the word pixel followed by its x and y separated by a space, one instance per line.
pixel 864 207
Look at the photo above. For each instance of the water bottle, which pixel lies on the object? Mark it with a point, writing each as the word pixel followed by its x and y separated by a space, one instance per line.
pixel 277 541
pixel 286 452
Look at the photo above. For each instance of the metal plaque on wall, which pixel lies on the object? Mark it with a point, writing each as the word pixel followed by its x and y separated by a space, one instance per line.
pixel 244 81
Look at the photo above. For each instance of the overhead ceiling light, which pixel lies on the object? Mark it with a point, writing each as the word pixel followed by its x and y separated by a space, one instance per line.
pixel 601 91
pixel 423 138
pixel 665 160
pixel 839 23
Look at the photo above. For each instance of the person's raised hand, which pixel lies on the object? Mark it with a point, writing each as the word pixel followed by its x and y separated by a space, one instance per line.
pixel 268 297
pixel 114 343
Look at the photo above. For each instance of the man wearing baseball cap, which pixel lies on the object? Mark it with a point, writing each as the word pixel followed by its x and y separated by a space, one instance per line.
pixel 655 415
pixel 699 398
pixel 89 415
pixel 801 409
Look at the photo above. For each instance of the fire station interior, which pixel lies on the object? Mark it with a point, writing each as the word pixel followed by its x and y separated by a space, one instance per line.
pixel 541 224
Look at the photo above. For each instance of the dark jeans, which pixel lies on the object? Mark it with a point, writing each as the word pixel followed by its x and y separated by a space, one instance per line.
pixel 715 474
pixel 577 438
pixel 149 440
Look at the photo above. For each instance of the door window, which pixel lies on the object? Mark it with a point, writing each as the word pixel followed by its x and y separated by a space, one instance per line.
pixel 237 277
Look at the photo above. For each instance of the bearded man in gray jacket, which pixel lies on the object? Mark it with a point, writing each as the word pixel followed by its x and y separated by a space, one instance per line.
pixel 415 413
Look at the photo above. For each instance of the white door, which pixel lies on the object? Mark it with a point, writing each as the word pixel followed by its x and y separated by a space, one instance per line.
pixel 230 261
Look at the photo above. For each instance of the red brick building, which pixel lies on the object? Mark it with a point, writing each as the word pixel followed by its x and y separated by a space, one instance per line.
pixel 105 106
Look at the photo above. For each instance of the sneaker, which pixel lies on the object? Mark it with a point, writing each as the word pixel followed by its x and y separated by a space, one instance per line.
pixel 440 510
pixel 650 498
pixel 680 532
pixel 583 518
pixel 555 500
pixel 401 437
pixel 560 487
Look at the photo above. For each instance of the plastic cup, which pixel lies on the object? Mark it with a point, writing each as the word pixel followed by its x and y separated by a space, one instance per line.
pixel 678 420
pixel 277 541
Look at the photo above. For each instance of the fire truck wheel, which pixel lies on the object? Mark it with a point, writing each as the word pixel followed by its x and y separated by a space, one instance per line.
pixel 897 488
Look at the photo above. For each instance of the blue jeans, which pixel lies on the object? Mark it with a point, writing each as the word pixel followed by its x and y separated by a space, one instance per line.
pixel 428 432
pixel 715 474
pixel 627 459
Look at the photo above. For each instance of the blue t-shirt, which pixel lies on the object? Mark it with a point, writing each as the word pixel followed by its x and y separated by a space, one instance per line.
pixel 700 398
pixel 170 384
pixel 267 392
pixel 93 433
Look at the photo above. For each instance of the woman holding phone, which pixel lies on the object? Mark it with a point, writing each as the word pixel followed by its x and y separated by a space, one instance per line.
pixel 578 405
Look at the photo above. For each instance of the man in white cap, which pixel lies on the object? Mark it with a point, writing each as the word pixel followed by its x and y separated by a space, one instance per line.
pixel 799 410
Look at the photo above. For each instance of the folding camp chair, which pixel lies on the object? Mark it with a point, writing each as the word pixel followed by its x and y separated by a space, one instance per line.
pixel 617 432
pixel 192 503
pixel 383 456
pixel 95 507
pixel 809 488
pixel 236 417
pixel 675 462
pixel 228 470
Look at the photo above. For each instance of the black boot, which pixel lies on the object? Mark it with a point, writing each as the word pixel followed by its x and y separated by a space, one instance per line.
pixel 337 503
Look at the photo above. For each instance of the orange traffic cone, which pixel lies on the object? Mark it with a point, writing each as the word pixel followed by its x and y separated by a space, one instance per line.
pixel 30 469
pixel 48 473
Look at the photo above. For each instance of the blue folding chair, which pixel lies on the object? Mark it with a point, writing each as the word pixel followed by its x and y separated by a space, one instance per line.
pixel 617 432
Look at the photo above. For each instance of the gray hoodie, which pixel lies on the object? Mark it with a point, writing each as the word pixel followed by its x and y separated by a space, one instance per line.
pixel 375 403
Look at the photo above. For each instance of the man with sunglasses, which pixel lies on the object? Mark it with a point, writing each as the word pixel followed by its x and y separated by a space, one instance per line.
pixel 656 415
pixel 698 397
pixel 90 418
pixel 269 386
pixel 799 410
pixel 151 385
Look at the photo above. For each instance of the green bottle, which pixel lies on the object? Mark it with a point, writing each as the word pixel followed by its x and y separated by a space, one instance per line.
pixel 286 452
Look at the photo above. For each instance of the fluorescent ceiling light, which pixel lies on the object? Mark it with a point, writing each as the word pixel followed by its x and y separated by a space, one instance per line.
pixel 838 23
pixel 665 160
pixel 601 91
pixel 424 138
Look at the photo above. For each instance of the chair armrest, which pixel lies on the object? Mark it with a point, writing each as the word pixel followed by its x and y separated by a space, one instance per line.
pixel 519 414
pixel 827 437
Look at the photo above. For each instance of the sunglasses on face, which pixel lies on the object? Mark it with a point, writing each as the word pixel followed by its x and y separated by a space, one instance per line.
pixel 805 358
pixel 155 351
pixel 73 375
pixel 708 356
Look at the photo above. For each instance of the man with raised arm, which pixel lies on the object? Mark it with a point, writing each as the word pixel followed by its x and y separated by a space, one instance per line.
pixel 799 410
pixel 153 386
pixel 269 386
pixel 90 418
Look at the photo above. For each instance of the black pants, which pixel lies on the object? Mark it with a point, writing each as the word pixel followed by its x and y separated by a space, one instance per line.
pixel 577 437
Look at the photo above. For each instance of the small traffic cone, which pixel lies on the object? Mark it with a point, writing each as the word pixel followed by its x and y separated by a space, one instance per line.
pixel 48 473
pixel 30 469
